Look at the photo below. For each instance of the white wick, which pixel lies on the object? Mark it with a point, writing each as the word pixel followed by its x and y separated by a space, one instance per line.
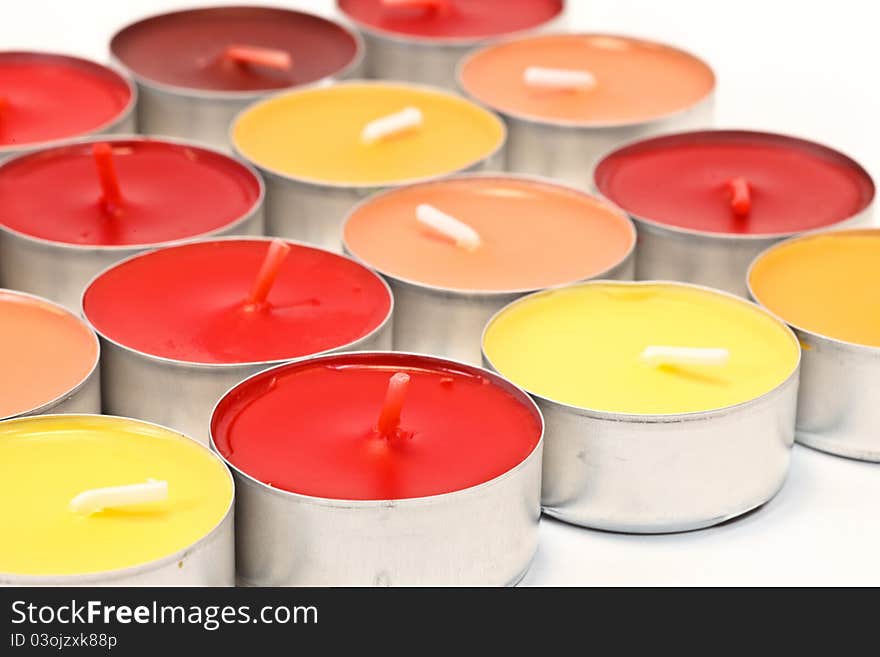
pixel 445 224
pixel 393 124
pixel 660 355
pixel 558 78
pixel 98 499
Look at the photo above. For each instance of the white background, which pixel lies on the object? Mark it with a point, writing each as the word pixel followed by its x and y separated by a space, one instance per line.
pixel 805 68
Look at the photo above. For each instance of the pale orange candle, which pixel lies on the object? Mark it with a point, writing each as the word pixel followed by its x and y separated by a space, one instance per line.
pixel 532 234
pixel 45 352
pixel 593 79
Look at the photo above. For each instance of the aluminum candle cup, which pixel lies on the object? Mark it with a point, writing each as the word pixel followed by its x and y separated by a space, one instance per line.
pixel 181 325
pixel 498 238
pixel 668 407
pixel 706 203
pixel 70 212
pixel 569 98
pixel 49 359
pixel 381 469
pixel 37 94
pixel 93 500
pixel 825 286
pixel 322 151
pixel 196 69
pixel 424 41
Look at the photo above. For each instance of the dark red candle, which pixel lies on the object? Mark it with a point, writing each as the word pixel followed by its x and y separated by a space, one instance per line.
pixel 124 192
pixel 735 182
pixel 236 301
pixel 337 428
pixel 45 97
pixel 451 19
pixel 234 48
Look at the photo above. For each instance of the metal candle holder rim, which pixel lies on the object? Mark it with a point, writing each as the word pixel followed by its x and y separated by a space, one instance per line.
pixel 43 408
pixel 653 418
pixel 492 294
pixel 587 126
pixel 109 248
pixel 426 500
pixel 196 365
pixel 238 96
pixel 819 337
pixel 744 238
pixel 19 149
pixel 366 187
pixel 128 571
pixel 430 41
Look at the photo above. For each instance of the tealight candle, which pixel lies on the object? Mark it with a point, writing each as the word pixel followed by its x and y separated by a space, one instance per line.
pixel 181 325
pixel 323 150
pixel 520 235
pixel 197 68
pixel 98 500
pixel 46 99
pixel 49 359
pixel 70 212
pixel 423 40
pixel 406 470
pixel 825 287
pixel 569 98
pixel 706 203
pixel 669 407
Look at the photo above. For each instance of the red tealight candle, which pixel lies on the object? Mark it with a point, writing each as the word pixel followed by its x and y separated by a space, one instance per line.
pixel 186 322
pixel 96 202
pixel 365 427
pixel 198 67
pixel 423 40
pixel 47 97
pixel 422 470
pixel 728 194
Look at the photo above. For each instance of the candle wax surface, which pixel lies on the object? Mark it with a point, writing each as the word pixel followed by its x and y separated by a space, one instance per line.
pixel 636 80
pixel 680 181
pixel 47 461
pixel 826 284
pixel 309 428
pixel 458 19
pixel 45 352
pixel 47 97
pixel 169 192
pixel 581 346
pixel 315 134
pixel 533 235
pixel 187 48
pixel 189 303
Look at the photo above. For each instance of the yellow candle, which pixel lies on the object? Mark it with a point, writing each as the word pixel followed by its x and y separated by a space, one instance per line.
pixel 583 346
pixel 47 461
pixel 825 283
pixel 317 134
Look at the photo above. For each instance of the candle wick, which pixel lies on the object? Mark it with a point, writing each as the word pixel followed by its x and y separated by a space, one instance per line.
pixel 740 196
pixel 111 195
pixel 388 425
pixel 278 250
pixel 275 58
pixel 427 5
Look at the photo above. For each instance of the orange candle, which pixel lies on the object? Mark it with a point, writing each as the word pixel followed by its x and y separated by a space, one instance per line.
pixel 455 251
pixel 824 283
pixel 45 353
pixel 631 80
pixel 533 234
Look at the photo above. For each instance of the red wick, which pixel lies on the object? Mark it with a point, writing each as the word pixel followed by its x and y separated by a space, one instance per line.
pixel 257 56
pixel 278 251
pixel 740 196
pixel 389 418
pixel 111 196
